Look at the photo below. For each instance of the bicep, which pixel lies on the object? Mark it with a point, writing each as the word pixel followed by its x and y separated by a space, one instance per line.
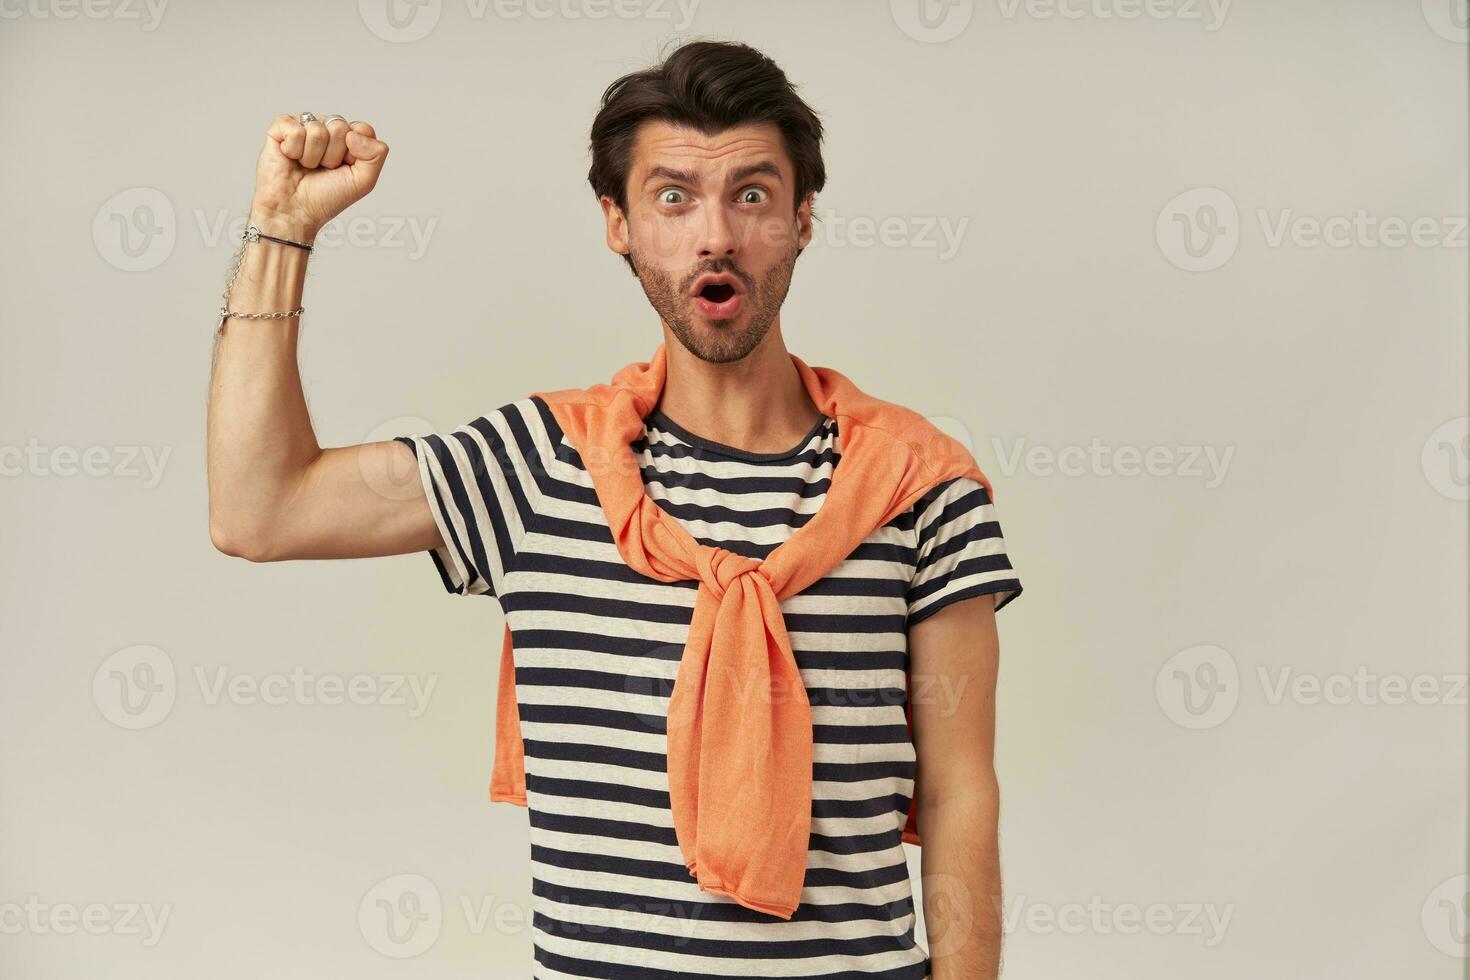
pixel 954 660
pixel 358 501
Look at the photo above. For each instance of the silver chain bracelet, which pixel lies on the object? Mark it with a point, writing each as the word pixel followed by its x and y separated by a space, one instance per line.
pixel 254 234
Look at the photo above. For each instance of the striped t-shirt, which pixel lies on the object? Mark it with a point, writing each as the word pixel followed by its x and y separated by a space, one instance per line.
pixel 597 648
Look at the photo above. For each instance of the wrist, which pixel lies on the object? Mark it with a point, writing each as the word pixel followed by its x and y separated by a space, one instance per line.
pixel 273 222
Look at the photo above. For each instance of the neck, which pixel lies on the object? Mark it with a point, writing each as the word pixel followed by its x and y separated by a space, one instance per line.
pixel 758 403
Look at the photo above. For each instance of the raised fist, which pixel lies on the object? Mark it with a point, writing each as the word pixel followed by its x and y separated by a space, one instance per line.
pixel 307 174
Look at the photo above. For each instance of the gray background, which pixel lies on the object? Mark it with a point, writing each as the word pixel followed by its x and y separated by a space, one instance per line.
pixel 1169 807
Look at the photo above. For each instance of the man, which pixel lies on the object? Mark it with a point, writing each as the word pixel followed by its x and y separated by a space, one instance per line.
pixel 705 167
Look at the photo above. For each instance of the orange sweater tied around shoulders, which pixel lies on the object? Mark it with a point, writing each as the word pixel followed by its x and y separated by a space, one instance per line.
pixel 739 722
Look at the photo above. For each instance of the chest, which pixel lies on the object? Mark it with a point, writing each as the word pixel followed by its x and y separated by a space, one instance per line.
pixel 597 645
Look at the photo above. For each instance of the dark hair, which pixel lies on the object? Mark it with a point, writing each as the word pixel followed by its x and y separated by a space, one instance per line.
pixel 709 86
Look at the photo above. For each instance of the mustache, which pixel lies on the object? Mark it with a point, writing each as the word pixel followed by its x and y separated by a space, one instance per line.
pixel 720 268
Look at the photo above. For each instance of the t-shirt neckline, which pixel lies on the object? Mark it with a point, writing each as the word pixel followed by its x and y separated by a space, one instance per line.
pixel 661 420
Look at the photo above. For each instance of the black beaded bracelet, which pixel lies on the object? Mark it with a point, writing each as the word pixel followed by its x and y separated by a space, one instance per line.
pixel 253 234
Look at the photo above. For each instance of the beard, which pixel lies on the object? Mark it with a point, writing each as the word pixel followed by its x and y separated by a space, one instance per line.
pixel 718 341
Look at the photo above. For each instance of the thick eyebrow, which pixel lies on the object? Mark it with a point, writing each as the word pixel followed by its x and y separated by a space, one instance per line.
pixel 765 167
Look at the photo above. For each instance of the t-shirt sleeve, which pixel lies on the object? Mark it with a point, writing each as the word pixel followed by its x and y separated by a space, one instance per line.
pixel 961 552
pixel 472 480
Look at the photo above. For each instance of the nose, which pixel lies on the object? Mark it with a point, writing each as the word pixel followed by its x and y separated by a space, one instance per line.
pixel 717 235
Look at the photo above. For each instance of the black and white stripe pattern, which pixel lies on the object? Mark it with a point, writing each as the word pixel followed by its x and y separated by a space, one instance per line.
pixel 597 648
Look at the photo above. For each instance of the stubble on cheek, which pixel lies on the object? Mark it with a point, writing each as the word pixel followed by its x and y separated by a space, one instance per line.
pixel 727 341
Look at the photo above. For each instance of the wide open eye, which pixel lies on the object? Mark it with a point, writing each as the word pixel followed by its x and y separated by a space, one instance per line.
pixel 671 195
pixel 760 193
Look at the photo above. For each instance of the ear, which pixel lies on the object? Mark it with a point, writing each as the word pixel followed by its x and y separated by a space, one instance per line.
pixel 804 221
pixel 617 225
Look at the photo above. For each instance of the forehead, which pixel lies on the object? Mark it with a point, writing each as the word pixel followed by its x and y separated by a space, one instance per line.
pixel 664 144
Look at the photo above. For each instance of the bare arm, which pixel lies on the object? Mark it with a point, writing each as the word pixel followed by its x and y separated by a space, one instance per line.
pixel 274 493
pixel 955 657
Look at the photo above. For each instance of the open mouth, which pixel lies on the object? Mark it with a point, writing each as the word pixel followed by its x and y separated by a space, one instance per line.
pixel 719 300
pixel 717 292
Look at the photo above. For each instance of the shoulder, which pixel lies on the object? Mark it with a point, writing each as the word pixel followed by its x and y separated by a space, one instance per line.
pixel 955 492
pixel 526 430
pixel 919 440
pixel 513 433
pixel 949 507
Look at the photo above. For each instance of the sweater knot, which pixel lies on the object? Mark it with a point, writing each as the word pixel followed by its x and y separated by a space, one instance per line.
pixel 719 568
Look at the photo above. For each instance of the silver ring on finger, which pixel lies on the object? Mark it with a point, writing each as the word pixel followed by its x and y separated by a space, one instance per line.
pixel 327 119
pixel 307 117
